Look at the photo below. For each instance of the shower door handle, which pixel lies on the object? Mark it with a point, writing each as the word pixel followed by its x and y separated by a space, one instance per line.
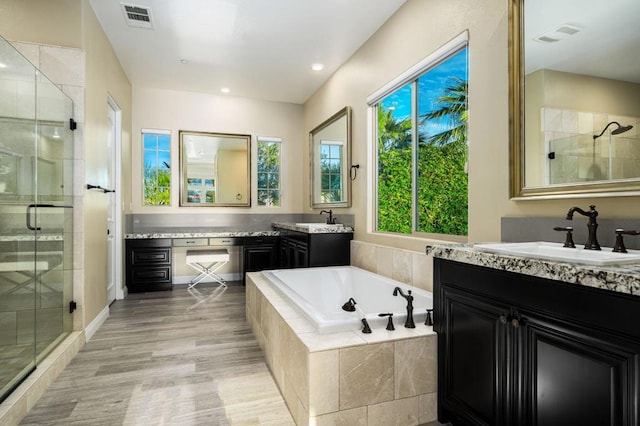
pixel 50 206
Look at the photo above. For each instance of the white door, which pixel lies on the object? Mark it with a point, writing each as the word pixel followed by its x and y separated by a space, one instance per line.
pixel 112 140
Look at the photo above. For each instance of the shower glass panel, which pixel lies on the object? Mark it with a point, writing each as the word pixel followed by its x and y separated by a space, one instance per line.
pixel 36 230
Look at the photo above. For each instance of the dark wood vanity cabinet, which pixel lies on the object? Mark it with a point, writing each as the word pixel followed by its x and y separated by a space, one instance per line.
pixel 305 250
pixel 148 265
pixel 520 350
pixel 259 254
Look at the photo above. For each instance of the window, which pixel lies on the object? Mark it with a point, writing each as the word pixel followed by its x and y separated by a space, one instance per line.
pixel 157 167
pixel 269 171
pixel 331 157
pixel 421 146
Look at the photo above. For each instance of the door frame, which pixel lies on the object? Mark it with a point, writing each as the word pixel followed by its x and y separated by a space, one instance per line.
pixel 117 170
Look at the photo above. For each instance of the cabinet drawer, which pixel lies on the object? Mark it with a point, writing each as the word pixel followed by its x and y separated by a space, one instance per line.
pixel 188 242
pixel 228 241
pixel 151 256
pixel 151 275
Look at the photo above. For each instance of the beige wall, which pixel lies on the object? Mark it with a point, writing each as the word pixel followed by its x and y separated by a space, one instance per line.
pixel 54 22
pixel 175 111
pixel 105 78
pixel 416 30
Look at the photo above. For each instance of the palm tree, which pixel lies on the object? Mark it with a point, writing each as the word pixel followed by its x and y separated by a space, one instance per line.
pixel 453 106
pixel 392 133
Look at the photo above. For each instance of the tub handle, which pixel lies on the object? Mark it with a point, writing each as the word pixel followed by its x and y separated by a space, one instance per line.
pixel 390 326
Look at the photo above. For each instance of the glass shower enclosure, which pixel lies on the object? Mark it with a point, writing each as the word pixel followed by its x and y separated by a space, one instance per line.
pixel 36 217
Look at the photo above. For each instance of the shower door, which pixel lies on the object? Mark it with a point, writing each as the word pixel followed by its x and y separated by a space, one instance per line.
pixel 36 217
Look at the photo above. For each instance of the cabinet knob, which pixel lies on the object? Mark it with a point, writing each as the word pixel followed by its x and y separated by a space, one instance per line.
pixel 503 319
pixel 515 323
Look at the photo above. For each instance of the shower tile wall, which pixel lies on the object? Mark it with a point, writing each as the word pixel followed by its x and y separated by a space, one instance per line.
pixel 569 134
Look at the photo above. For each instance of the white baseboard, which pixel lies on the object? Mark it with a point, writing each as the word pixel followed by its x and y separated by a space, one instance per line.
pixel 185 279
pixel 121 293
pixel 94 325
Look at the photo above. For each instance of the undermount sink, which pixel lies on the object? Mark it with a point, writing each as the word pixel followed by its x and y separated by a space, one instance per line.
pixel 555 251
pixel 320 225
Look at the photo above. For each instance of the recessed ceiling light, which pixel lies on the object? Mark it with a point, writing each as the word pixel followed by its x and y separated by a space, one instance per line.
pixel 225 90
pixel 2 65
pixel 184 61
pixel 317 67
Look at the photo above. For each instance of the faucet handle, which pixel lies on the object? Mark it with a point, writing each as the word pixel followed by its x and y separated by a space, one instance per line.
pixel 568 242
pixel 619 247
pixel 390 326
pixel 429 320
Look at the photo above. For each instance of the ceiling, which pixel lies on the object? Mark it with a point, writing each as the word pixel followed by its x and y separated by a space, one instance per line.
pixel 608 44
pixel 261 49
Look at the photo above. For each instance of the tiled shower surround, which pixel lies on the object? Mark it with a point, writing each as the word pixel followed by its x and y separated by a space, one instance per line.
pixel 387 377
pixel 578 158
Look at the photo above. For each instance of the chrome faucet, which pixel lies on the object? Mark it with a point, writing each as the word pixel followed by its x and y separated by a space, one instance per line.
pixel 409 298
pixel 331 220
pixel 592 225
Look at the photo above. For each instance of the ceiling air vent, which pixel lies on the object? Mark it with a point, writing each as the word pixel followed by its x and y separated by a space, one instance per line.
pixel 558 34
pixel 137 16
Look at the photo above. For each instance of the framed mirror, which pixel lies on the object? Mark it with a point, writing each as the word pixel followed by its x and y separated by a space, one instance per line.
pixel 215 169
pixel 574 97
pixel 330 155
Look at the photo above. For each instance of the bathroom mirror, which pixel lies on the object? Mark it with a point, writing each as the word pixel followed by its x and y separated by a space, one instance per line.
pixel 214 169
pixel 330 154
pixel 574 93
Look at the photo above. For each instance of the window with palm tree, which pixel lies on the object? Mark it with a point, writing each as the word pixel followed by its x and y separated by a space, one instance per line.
pixel 422 182
pixel 157 167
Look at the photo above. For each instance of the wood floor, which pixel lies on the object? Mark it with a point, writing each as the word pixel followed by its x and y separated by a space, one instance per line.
pixel 168 358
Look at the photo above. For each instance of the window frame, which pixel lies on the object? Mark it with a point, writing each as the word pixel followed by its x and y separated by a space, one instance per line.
pixel 409 76
pixel 164 132
pixel 270 140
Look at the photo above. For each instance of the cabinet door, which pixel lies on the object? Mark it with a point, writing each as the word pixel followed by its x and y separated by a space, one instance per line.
pixel 472 347
pixel 300 255
pixel 259 258
pixel 574 375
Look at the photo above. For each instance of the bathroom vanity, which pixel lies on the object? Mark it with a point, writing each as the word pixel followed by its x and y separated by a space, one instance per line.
pixel 149 256
pixel 533 342
pixel 301 247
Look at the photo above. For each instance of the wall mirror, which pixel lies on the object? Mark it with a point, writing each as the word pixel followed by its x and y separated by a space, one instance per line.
pixel 330 154
pixel 575 97
pixel 215 169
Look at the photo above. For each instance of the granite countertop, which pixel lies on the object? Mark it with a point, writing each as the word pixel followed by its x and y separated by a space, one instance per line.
pixel 319 229
pixel 152 235
pixel 31 237
pixel 621 278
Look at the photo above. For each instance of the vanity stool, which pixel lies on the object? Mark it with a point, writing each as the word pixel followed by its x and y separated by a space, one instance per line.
pixel 206 262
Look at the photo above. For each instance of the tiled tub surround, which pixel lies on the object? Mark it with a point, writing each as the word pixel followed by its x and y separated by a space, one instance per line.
pixel 621 279
pixel 409 267
pixel 386 377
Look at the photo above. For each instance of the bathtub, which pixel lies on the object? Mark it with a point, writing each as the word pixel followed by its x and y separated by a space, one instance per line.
pixel 319 293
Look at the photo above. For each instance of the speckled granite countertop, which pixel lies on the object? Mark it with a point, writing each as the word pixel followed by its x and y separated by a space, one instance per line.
pixel 329 229
pixel 152 235
pixel 621 279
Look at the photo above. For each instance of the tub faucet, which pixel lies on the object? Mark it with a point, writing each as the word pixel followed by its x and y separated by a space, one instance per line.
pixel 409 322
pixel 592 240
pixel 330 220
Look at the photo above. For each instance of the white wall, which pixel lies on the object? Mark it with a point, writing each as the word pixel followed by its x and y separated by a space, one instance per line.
pixel 174 111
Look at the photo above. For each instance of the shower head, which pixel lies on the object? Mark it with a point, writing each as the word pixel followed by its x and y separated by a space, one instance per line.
pixel 350 305
pixel 621 129
pixel 616 131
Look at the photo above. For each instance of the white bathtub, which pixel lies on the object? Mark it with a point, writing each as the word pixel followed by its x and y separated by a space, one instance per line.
pixel 319 293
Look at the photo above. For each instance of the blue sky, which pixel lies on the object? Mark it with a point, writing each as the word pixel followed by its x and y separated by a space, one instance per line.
pixel 430 88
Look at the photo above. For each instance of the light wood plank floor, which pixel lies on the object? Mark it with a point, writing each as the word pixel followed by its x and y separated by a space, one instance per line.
pixel 168 358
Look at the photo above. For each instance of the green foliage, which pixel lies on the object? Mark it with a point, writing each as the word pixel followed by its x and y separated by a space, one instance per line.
pixel 268 173
pixel 157 186
pixel 442 181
